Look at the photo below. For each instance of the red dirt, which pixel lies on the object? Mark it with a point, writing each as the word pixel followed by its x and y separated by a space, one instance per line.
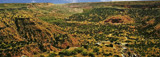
pixel 119 19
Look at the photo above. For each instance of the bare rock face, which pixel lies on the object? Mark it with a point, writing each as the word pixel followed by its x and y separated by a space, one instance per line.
pixel 29 36
pixel 119 20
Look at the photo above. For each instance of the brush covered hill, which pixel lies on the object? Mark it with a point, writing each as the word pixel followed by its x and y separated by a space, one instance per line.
pixel 38 28
pixel 42 10
pixel 143 19
pixel 146 19
pixel 23 34
pixel 126 4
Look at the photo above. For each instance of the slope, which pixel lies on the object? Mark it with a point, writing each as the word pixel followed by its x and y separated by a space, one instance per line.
pixel 23 34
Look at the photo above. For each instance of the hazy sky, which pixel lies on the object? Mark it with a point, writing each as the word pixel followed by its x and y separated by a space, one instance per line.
pixel 59 1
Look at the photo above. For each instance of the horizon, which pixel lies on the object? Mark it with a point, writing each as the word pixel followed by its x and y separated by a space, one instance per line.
pixel 63 1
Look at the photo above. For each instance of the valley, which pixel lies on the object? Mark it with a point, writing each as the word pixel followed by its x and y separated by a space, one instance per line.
pixel 95 29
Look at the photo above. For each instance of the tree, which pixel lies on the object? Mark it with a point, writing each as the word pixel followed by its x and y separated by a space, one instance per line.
pixel 96 49
pixel 84 53
pixel 91 54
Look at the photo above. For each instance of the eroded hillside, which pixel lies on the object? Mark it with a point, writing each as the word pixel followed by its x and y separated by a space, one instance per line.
pixel 98 29
pixel 27 35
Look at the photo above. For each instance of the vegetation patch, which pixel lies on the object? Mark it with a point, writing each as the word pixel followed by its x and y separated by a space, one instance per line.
pixel 60 30
pixel 119 19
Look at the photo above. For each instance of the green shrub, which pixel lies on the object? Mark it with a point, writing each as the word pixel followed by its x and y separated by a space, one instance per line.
pixel 73 52
pixel 91 54
pixel 98 53
pixel 42 56
pixel 96 49
pixel 79 50
pixel 52 55
pixel 84 53
pixel 74 56
pixel 116 55
pixel 61 55
pixel 86 46
pixel 67 52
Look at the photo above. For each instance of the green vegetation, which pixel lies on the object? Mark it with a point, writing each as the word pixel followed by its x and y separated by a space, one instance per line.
pixel 95 15
pixel 79 50
pixel 42 56
pixel 52 55
pixel 91 54
pixel 71 52
pixel 97 29
pixel 84 53
pixel 96 50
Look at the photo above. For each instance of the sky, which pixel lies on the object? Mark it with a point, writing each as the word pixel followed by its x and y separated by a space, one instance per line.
pixel 60 1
